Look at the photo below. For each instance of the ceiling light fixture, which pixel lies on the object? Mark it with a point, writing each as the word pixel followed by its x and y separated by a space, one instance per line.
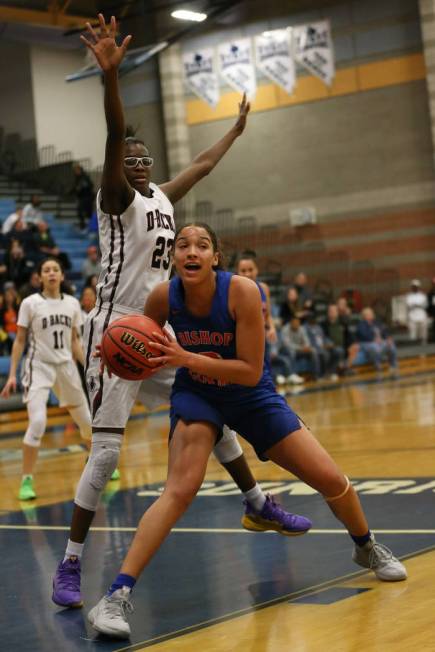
pixel 185 14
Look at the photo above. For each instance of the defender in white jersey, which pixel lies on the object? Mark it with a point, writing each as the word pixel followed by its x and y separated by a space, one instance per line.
pixel 49 322
pixel 136 225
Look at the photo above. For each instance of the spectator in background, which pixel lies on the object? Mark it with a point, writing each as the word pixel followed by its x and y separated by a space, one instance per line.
pixel 375 342
pixel 25 237
pixel 18 266
pixel 32 213
pixel 338 333
pixel 31 287
pixel 83 189
pixel 296 345
pixel 9 314
pixel 431 305
pixel 47 246
pixel 416 304
pixel 11 219
pixel 91 282
pixel 88 300
pixel 92 265
pixel 329 356
pixel 304 291
pixel 291 308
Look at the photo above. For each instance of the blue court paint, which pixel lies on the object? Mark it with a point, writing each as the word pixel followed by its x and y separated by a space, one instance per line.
pixel 329 596
pixel 195 578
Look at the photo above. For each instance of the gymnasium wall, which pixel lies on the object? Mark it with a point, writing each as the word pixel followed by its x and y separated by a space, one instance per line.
pixel 16 105
pixel 360 153
pixel 69 116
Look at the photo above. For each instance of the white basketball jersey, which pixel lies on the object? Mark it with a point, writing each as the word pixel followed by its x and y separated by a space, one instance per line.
pixel 135 248
pixel 50 323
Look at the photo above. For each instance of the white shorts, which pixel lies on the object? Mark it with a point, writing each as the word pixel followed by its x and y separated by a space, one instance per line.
pixel 39 378
pixel 112 399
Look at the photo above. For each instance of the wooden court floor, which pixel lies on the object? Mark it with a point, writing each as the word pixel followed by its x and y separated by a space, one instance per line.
pixel 214 586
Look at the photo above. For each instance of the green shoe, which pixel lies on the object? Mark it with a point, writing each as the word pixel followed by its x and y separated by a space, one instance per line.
pixel 115 475
pixel 26 490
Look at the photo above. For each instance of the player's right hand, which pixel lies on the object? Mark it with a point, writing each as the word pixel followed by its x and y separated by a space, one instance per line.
pixel 11 386
pixel 103 44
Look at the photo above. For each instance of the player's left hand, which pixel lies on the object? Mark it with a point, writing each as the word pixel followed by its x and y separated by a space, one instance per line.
pixel 244 108
pixel 171 353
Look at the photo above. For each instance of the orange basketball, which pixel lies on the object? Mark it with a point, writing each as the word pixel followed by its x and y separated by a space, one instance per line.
pixel 124 347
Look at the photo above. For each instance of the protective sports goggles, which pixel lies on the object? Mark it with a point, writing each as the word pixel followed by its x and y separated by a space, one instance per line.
pixel 133 161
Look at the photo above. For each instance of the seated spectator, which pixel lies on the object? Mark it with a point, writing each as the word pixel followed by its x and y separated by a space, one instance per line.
pixel 304 291
pixel 375 342
pixel 417 304
pixel 31 287
pixel 26 239
pixel 91 282
pixel 4 340
pixel 92 265
pixel 338 333
pixel 9 314
pixel 93 226
pixel 18 266
pixel 291 307
pixel 11 219
pixel 295 345
pixel 88 300
pixel 47 246
pixel 32 214
pixel 431 306
pixel 329 356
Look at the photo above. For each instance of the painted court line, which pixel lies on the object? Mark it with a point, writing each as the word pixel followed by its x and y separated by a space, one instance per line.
pixel 199 530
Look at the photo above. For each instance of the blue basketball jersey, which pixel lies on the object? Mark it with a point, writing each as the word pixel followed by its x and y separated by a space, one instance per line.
pixel 213 335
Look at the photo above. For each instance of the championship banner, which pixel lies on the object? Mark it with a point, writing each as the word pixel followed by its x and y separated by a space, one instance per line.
pixel 273 57
pixel 200 75
pixel 236 66
pixel 313 49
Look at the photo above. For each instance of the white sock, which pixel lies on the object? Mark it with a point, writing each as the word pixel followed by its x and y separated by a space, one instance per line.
pixel 255 497
pixel 73 549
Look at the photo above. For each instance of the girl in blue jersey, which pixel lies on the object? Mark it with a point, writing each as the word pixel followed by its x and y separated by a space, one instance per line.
pixel 221 378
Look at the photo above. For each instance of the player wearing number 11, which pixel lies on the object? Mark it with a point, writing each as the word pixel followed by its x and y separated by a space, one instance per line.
pixel 49 322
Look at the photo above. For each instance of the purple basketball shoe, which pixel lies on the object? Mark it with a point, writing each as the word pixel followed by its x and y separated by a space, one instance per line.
pixel 274 517
pixel 66 584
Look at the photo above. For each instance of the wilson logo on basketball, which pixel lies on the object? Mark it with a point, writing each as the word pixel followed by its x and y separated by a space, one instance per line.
pixel 135 344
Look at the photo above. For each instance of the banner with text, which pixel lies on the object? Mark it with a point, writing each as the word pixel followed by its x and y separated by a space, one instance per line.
pixel 313 49
pixel 274 58
pixel 201 76
pixel 236 66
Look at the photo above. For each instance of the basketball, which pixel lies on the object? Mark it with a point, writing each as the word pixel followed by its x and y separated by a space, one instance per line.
pixel 124 347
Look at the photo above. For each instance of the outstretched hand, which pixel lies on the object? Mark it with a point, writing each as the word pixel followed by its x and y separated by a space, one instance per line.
pixel 244 108
pixel 103 45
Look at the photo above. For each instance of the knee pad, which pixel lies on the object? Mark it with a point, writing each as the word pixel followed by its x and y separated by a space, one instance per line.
pixel 228 448
pixel 37 422
pixel 82 417
pixel 103 460
pixel 343 493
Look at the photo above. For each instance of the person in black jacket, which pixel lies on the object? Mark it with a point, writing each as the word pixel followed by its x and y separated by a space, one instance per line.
pixel 84 191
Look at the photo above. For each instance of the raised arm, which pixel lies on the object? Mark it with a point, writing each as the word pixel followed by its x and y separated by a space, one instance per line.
pixel 204 163
pixel 17 352
pixel 116 192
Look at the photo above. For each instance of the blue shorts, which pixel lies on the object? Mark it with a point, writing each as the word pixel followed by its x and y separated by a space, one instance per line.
pixel 263 417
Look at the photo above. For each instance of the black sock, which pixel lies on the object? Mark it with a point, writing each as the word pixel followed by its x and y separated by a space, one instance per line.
pixel 361 540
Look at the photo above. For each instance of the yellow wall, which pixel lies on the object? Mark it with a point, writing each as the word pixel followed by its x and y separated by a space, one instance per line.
pixel 388 72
